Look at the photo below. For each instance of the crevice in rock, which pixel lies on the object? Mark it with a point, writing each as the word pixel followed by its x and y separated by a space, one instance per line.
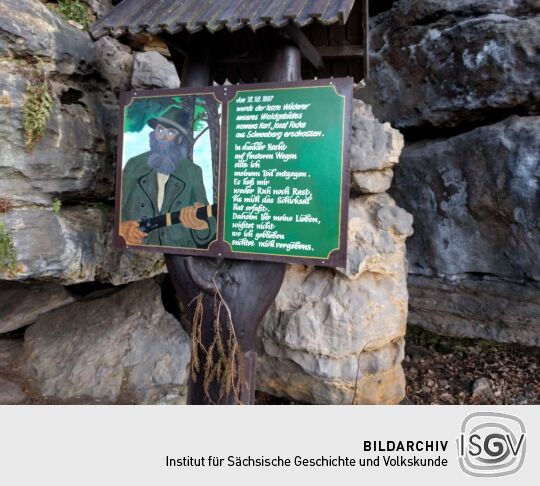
pixel 478 276
pixel 72 96
pixel 71 200
pixel 93 78
pixel 16 335
pixel 378 6
pixel 444 15
pixel 453 17
pixel 168 296
pixel 484 118
pixel 86 289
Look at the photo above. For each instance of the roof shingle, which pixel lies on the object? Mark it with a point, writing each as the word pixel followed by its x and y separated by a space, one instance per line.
pixel 172 16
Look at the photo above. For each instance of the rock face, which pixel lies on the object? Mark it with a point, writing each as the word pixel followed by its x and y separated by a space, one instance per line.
pixel 115 62
pixel 337 337
pixel 74 246
pixel 74 157
pixel 152 70
pixel 117 347
pixel 73 162
pixel 375 149
pixel 10 393
pixel 446 63
pixel 10 353
pixel 100 7
pixel 479 234
pixel 22 304
pixel 479 199
pixel 455 75
pixel 476 306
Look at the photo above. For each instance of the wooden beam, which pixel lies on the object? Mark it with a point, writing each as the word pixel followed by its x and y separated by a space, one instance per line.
pixel 340 51
pixel 305 46
pixel 239 60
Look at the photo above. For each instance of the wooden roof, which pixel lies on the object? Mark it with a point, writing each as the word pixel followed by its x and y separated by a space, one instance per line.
pixel 332 35
pixel 173 16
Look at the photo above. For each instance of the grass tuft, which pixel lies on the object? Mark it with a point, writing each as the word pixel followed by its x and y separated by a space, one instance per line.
pixel 8 254
pixel 76 11
pixel 36 111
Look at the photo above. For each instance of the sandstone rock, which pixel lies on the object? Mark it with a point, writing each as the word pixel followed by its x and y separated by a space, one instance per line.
pixel 372 181
pixel 285 379
pixel 447 63
pixel 73 246
pixel 476 200
pixel 124 266
pixel 66 247
pixel 474 254
pixel 123 344
pixel 374 145
pixel 478 307
pixel 152 70
pixel 29 29
pixel 100 7
pixel 166 395
pixel 10 393
pixel 335 336
pixel 329 333
pixel 481 391
pixel 10 354
pixel 73 160
pixel 375 149
pixel 144 41
pixel 22 304
pixel 376 233
pixel 115 62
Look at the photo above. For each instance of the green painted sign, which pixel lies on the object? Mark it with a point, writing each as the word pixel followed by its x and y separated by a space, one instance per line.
pixel 284 171
pixel 254 172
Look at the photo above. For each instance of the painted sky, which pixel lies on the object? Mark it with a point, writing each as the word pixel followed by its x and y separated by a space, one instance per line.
pixel 136 143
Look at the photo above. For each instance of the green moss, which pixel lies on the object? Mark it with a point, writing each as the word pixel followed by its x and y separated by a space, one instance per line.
pixel 449 344
pixel 8 254
pixel 76 11
pixel 36 111
pixel 56 205
pixel 98 205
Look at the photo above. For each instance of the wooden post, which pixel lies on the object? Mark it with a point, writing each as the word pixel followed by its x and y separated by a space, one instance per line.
pixel 365 31
pixel 248 287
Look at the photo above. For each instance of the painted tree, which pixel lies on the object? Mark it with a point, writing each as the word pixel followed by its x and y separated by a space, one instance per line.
pixel 214 127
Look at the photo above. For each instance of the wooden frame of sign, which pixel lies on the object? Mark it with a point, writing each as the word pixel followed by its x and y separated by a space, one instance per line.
pixel 282 187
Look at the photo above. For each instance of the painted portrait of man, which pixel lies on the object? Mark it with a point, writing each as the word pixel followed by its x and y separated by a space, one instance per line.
pixel 164 200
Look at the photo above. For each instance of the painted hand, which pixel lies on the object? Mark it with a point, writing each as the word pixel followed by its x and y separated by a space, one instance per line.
pixel 188 217
pixel 129 230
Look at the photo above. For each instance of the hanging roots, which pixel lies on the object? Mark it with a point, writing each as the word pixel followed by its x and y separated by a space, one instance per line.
pixel 223 362
pixel 196 342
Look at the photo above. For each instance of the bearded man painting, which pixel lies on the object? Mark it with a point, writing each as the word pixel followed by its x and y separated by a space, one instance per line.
pixel 164 183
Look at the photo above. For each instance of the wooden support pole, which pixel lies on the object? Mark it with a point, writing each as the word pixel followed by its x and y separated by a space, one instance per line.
pixel 283 64
pixel 301 41
pixel 247 287
pixel 365 31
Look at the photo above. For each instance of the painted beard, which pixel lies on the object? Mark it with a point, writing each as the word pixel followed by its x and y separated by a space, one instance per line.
pixel 165 156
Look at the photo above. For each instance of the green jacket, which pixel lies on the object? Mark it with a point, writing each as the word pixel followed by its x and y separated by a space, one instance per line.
pixel 184 188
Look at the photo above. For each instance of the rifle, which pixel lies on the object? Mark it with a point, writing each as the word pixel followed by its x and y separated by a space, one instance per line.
pixel 147 224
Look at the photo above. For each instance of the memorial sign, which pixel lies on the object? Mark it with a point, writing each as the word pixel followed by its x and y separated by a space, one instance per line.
pixel 246 171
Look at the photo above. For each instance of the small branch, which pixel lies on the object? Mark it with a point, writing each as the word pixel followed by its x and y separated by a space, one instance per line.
pixel 199 136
